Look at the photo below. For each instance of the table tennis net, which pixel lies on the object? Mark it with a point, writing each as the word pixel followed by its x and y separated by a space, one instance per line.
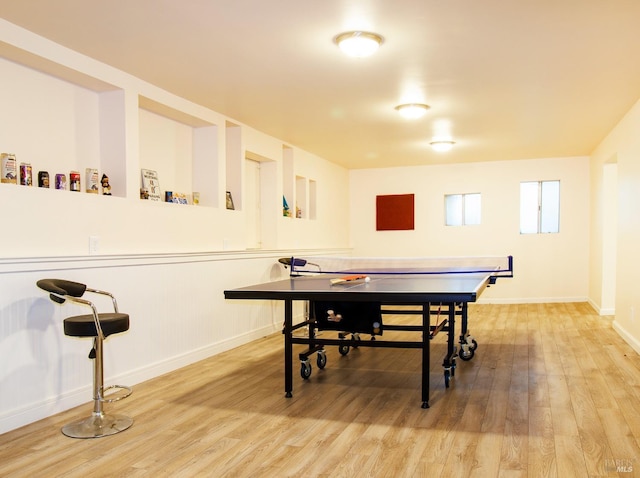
pixel 495 266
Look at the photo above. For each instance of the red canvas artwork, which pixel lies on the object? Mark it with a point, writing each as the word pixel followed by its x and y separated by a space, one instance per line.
pixel 395 212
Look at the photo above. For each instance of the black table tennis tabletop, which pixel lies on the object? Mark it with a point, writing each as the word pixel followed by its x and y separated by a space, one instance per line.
pixel 405 288
pixel 448 292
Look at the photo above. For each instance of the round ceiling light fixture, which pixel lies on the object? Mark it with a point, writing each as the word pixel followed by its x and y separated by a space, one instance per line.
pixel 412 110
pixel 442 146
pixel 359 44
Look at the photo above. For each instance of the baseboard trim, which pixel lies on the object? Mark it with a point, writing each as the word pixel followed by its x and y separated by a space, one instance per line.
pixel 531 300
pixel 626 336
pixel 602 310
pixel 37 411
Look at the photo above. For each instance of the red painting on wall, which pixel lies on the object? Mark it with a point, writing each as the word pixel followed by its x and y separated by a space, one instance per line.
pixel 395 212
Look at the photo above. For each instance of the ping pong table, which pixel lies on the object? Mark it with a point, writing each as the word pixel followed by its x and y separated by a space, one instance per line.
pixel 441 288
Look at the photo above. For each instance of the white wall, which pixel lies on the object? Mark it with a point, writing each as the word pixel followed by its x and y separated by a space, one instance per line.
pixel 621 146
pixel 549 267
pixel 167 264
pixel 609 238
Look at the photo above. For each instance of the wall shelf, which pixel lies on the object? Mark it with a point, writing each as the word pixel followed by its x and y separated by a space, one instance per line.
pixel 181 148
pixel 85 114
pixel 233 161
pixel 301 211
pixel 76 128
pixel 287 180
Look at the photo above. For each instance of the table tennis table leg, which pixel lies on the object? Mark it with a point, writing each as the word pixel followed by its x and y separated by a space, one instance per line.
pixel 468 344
pixel 288 348
pixel 426 353
pixel 464 329
pixel 449 362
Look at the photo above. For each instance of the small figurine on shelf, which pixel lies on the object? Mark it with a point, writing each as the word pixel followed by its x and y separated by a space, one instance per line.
pixel 43 179
pixel 106 187
pixel 230 201
pixel 74 181
pixel 25 174
pixel 298 212
pixel 286 212
pixel 61 181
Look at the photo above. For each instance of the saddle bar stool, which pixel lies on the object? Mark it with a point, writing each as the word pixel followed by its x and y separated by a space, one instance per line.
pixel 99 326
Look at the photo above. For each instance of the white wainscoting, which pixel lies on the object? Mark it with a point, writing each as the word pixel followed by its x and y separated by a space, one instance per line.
pixel 178 316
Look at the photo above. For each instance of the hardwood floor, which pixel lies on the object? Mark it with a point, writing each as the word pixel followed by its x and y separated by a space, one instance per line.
pixel 552 391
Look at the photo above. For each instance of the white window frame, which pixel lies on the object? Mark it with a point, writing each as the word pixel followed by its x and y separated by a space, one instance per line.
pixel 462 215
pixel 540 215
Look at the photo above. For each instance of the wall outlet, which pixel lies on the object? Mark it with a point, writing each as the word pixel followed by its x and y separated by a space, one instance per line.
pixel 94 245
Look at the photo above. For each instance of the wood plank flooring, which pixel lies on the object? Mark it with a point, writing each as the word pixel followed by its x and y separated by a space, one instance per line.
pixel 552 391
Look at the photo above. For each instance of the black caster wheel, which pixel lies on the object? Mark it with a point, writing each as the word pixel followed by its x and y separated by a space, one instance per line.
pixel 467 355
pixel 356 339
pixel 343 349
pixel 321 359
pixel 305 370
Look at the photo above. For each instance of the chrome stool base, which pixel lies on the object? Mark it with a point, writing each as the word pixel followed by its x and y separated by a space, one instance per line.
pixel 97 425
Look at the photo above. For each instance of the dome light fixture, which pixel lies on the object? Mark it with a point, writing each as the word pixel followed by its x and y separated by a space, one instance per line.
pixel 442 146
pixel 412 110
pixel 359 44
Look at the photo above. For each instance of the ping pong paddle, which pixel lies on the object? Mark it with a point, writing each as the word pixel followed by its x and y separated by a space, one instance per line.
pixel 344 279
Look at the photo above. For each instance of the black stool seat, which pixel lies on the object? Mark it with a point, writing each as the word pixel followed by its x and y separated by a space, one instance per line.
pixel 85 326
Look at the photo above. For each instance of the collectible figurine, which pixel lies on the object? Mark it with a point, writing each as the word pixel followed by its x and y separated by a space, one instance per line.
pixel 106 188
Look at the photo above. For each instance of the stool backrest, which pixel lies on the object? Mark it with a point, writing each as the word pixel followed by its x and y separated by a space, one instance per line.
pixel 61 287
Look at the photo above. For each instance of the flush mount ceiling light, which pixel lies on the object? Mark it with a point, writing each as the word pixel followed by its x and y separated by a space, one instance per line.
pixel 358 44
pixel 442 146
pixel 412 110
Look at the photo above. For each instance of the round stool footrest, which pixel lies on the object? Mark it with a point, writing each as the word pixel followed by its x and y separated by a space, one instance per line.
pixel 122 393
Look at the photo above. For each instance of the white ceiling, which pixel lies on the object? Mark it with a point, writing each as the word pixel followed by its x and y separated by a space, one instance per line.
pixel 507 79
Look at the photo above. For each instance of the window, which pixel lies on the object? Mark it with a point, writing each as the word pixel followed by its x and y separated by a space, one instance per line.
pixel 462 209
pixel 539 207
